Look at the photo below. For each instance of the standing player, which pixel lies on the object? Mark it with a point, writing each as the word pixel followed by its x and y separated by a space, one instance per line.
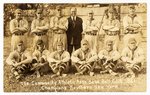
pixel 59 26
pixel 90 29
pixel 132 24
pixel 39 28
pixel 18 28
pixel 111 26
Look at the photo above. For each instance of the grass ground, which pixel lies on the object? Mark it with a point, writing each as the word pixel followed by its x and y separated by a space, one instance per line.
pixel 71 83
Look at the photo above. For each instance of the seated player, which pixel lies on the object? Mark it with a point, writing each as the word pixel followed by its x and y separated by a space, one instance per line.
pixel 20 61
pixel 108 58
pixel 40 58
pixel 84 59
pixel 59 61
pixel 132 57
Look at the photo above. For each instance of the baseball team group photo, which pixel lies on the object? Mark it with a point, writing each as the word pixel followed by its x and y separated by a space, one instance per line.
pixel 68 47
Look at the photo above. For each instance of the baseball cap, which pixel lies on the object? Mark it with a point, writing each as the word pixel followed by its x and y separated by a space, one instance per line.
pixel 112 10
pixel 132 6
pixel 132 40
pixel 39 10
pixel 91 12
pixel 58 8
pixel 18 11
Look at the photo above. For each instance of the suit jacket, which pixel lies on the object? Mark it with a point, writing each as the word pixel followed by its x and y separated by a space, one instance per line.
pixel 74 31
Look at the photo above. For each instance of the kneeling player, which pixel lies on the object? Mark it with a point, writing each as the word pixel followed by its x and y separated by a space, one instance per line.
pixel 20 61
pixel 84 59
pixel 59 61
pixel 132 57
pixel 39 61
pixel 108 58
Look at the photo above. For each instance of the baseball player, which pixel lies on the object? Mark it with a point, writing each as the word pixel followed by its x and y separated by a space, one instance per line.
pixel 111 27
pixel 90 29
pixel 20 61
pixel 59 26
pixel 39 58
pixel 18 28
pixel 39 28
pixel 59 61
pixel 133 57
pixel 84 59
pixel 132 24
pixel 108 58
pixel 50 31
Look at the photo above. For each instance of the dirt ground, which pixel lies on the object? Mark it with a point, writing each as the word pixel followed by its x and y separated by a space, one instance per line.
pixel 71 83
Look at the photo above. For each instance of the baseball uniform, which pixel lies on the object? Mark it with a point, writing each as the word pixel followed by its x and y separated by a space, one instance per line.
pixel 90 29
pixel 18 28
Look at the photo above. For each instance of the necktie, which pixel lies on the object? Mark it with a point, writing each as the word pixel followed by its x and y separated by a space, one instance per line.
pixel 73 21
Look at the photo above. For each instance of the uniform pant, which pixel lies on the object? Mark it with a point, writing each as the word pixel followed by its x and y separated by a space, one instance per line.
pixel 124 66
pixel 115 40
pixel 92 39
pixel 89 67
pixel 105 65
pixel 64 67
pixel 50 40
pixel 137 37
pixel 58 38
pixel 44 38
pixel 136 67
pixel 16 39
pixel 100 42
pixel 22 69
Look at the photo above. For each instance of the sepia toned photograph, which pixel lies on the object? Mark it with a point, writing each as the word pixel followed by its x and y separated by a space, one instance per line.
pixel 75 47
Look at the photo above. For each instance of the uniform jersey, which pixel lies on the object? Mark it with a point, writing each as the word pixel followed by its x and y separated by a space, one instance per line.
pixel 15 56
pixel 20 24
pixel 136 55
pixel 65 56
pixel 79 55
pixel 114 54
pixel 37 54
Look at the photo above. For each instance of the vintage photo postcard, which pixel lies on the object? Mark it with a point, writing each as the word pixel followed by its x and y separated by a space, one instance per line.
pixel 75 47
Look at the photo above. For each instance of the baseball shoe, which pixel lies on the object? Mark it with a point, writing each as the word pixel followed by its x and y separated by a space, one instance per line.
pixel 114 74
pixel 79 73
pixel 103 72
pixel 91 73
pixel 64 75
pixel 54 75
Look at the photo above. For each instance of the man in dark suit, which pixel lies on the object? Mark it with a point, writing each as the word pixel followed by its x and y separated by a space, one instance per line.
pixel 74 32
